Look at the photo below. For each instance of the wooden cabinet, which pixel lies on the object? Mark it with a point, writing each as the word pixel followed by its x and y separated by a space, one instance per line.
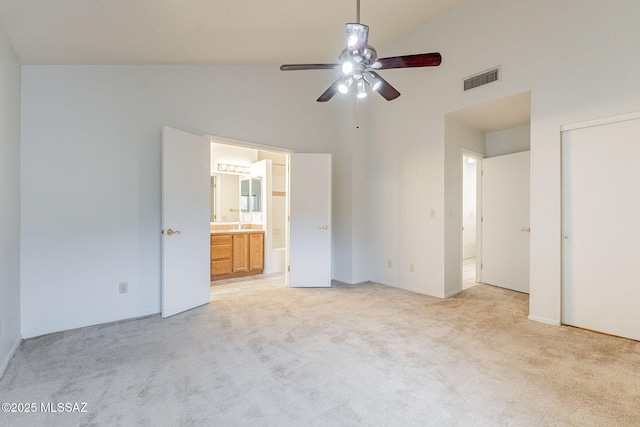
pixel 236 254
pixel 221 262
pixel 256 252
pixel 240 253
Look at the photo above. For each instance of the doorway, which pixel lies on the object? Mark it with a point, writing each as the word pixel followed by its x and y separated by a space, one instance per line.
pixel 250 192
pixel 489 130
pixel 471 168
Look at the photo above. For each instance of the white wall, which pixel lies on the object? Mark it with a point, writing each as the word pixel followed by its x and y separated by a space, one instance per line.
pixel 91 172
pixel 576 58
pixel 9 201
pixel 350 191
pixel 231 154
pixel 508 141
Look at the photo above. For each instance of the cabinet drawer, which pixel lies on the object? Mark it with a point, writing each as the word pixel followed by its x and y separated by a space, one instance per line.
pixel 220 267
pixel 220 239
pixel 219 252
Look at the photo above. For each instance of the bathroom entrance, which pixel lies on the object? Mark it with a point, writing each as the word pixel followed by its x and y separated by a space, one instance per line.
pixel 249 205
pixel 471 180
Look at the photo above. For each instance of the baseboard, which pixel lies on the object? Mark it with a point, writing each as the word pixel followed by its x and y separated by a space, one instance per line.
pixel 450 294
pixel 416 290
pixel 544 320
pixel 71 326
pixel 7 359
pixel 349 282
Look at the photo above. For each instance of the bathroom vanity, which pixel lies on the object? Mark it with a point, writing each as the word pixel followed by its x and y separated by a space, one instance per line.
pixel 236 253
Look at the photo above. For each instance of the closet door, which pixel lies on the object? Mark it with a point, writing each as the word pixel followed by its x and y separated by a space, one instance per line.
pixel 601 233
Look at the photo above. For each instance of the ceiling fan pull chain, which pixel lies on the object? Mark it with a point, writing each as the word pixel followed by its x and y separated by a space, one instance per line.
pixel 357 11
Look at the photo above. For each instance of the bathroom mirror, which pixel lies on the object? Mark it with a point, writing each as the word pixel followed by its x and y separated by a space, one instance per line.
pixel 256 194
pixel 245 193
pixel 225 204
pixel 251 194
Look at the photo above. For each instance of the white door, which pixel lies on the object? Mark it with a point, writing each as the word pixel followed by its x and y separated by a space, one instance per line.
pixel 185 221
pixel 310 227
pixel 505 221
pixel 601 244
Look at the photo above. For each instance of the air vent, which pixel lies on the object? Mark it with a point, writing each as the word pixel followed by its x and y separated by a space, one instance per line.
pixel 482 79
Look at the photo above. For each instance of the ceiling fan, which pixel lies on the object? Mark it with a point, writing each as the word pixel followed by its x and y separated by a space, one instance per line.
pixel 359 62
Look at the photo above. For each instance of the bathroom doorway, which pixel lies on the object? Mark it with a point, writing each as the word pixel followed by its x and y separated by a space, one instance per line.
pixel 471 179
pixel 233 165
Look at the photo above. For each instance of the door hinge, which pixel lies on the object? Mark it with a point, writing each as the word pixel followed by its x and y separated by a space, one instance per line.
pixel 481 219
pixel 481 265
pixel 289 269
pixel 289 218
pixel 482 172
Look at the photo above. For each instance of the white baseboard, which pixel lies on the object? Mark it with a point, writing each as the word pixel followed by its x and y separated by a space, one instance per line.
pixel 412 289
pixel 7 359
pixel 450 294
pixel 544 320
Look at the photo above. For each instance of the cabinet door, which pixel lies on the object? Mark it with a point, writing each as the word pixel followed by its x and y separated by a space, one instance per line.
pixel 240 252
pixel 256 251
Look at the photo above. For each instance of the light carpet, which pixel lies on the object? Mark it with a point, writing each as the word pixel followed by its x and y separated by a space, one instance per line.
pixel 350 355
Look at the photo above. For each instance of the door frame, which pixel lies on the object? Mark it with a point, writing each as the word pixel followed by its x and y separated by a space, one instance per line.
pixel 263 147
pixel 478 157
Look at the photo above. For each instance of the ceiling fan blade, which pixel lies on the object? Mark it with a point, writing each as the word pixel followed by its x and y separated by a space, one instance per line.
pixel 357 37
pixel 296 67
pixel 386 90
pixel 407 61
pixel 332 90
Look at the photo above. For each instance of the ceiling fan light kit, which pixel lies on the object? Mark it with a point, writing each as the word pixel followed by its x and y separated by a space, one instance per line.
pixel 358 62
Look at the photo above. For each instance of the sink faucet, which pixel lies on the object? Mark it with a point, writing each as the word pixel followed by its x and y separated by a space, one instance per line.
pixel 239 225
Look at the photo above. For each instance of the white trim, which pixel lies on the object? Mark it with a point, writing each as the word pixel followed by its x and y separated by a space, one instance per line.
pixel 602 121
pixel 413 289
pixel 452 293
pixel 69 326
pixel 544 320
pixel 7 359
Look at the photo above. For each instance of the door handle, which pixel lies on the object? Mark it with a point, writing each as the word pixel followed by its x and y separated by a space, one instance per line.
pixel 171 232
pixel 324 227
pixel 528 229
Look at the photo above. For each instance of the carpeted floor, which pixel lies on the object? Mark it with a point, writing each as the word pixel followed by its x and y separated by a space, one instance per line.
pixel 351 355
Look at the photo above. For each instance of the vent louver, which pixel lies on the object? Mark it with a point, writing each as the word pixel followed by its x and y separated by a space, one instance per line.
pixel 482 79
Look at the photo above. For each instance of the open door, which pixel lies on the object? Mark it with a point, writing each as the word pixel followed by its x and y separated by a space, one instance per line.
pixel 310 226
pixel 505 221
pixel 185 221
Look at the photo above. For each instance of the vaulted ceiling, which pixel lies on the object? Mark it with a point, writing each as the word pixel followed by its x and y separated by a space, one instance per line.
pixel 244 32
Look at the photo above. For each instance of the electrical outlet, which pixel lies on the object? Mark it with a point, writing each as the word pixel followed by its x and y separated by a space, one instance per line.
pixel 124 287
pixel 412 268
pixel 389 263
